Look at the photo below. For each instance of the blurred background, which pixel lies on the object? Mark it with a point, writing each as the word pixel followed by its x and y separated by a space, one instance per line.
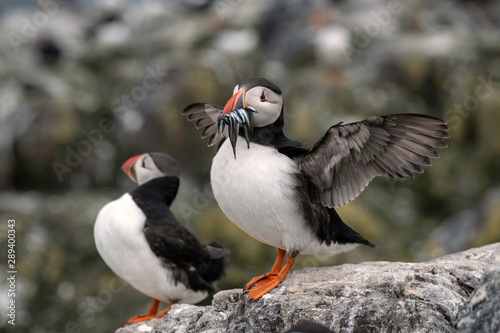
pixel 84 86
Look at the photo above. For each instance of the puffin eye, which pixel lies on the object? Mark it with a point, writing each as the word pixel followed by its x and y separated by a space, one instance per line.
pixel 143 163
pixel 263 97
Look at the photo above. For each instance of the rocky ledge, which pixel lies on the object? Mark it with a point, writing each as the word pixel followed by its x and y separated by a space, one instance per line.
pixel 457 292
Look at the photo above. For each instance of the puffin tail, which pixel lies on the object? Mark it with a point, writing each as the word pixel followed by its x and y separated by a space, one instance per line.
pixel 341 233
pixel 217 251
pixel 215 267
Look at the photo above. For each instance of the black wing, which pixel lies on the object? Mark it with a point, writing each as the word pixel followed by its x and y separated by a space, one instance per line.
pixel 348 157
pixel 205 116
pixel 174 244
pixel 192 263
pixel 179 250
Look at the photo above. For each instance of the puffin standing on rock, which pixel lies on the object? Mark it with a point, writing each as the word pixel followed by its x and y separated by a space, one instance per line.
pixel 142 242
pixel 284 195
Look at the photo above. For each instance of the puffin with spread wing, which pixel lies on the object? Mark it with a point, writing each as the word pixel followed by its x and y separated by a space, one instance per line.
pixel 283 194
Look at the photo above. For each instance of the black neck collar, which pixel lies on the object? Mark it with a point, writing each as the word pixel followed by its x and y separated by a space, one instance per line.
pixel 162 189
pixel 272 135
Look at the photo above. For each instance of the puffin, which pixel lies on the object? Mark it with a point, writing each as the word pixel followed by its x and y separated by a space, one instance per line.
pixel 285 195
pixel 140 239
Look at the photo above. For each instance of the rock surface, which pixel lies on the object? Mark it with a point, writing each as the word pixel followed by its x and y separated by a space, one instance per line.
pixel 481 313
pixel 435 296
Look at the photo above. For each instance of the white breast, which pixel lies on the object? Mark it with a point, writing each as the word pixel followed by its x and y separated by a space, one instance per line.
pixel 256 192
pixel 119 238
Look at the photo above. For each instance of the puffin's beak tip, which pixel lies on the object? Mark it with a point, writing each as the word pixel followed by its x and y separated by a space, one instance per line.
pixel 128 165
pixel 231 103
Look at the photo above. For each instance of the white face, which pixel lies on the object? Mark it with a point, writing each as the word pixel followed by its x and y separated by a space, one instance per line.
pixel 146 169
pixel 267 103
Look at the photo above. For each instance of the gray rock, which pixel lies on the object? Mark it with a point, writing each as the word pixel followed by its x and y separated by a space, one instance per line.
pixel 481 312
pixel 366 297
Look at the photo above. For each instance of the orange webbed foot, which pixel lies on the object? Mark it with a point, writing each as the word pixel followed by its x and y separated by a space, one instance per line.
pixel 138 319
pixel 261 285
pixel 257 279
pixel 151 314
pixel 274 271
pixel 164 312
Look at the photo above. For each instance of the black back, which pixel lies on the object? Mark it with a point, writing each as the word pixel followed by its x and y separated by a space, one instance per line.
pixel 178 248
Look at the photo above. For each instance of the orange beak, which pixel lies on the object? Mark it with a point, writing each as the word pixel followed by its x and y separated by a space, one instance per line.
pixel 128 165
pixel 233 104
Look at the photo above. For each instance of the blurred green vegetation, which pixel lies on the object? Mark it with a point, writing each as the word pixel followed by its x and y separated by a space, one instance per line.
pixel 429 57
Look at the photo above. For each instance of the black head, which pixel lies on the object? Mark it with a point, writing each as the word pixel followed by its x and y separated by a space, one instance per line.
pixel 264 96
pixel 145 167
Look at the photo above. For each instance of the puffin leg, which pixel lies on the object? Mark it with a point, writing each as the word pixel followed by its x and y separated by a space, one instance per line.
pixel 164 312
pixel 270 282
pixel 274 271
pixel 153 309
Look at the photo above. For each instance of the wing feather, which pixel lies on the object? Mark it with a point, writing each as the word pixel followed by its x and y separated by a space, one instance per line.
pixel 205 116
pixel 196 116
pixel 203 122
pixel 344 161
pixel 416 148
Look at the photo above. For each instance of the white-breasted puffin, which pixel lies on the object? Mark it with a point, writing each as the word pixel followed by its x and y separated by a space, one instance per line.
pixel 142 242
pixel 284 195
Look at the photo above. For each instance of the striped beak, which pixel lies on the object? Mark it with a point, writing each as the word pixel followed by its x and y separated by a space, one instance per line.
pixel 235 102
pixel 129 168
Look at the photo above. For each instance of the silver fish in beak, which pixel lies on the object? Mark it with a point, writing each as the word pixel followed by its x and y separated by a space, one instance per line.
pixel 234 120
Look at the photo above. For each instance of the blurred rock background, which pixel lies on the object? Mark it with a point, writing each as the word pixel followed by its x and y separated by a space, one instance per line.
pixel 84 86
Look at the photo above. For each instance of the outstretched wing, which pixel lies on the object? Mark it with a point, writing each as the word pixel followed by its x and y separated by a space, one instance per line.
pixel 348 157
pixel 205 116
